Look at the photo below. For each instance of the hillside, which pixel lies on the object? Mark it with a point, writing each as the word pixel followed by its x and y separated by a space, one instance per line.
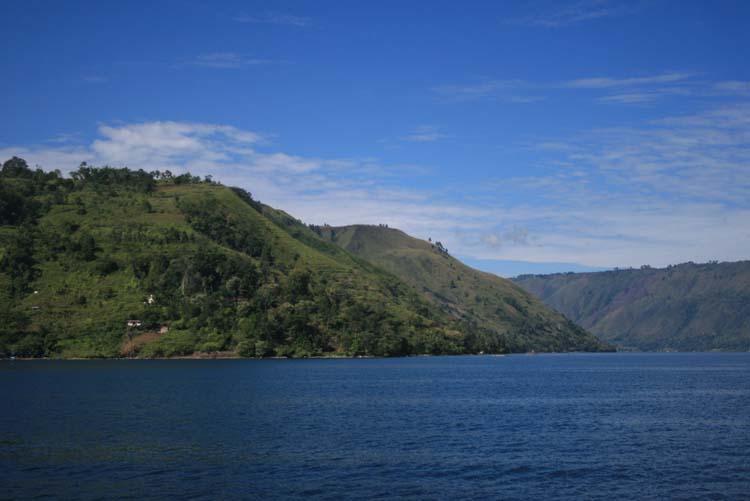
pixel 82 256
pixel 688 307
pixel 496 313
pixel 195 267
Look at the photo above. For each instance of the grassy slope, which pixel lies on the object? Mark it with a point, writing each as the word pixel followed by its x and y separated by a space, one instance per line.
pixel 686 307
pixel 495 306
pixel 85 310
pixel 71 292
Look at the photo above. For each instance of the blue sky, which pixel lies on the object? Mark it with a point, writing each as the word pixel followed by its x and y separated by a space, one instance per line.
pixel 527 137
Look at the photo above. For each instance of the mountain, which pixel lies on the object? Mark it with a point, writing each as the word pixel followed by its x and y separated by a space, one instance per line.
pixel 115 262
pixel 688 307
pixel 497 314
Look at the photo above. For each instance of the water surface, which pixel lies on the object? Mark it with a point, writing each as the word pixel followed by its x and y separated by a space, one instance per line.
pixel 564 426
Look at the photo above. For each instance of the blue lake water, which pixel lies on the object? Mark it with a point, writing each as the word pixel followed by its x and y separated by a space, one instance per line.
pixel 571 426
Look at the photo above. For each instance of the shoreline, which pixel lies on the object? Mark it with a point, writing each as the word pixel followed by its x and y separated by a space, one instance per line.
pixel 211 356
pixel 205 356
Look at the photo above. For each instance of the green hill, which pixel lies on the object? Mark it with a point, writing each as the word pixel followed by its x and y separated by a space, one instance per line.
pixel 201 267
pixel 496 314
pixel 688 307
pixel 197 267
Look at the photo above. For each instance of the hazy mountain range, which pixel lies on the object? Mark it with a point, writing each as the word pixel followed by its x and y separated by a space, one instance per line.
pixel 688 307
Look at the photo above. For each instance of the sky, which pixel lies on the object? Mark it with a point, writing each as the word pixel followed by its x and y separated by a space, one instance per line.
pixel 527 137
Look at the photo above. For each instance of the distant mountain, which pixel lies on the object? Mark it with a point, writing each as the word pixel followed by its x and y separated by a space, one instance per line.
pixel 115 262
pixel 497 314
pixel 688 307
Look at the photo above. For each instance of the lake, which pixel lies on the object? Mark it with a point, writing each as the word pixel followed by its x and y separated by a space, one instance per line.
pixel 547 426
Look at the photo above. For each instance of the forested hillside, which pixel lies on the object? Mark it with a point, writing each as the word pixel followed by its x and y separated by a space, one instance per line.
pixel 501 314
pixel 196 264
pixel 688 307
pixel 113 262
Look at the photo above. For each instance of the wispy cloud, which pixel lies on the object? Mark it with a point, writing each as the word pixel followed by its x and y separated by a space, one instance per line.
pixel 571 13
pixel 511 91
pixel 641 81
pixel 65 138
pixel 424 134
pixel 741 87
pixel 637 89
pixel 514 236
pixel 94 79
pixel 642 96
pixel 273 18
pixel 222 60
pixel 620 90
pixel 630 98
pixel 670 190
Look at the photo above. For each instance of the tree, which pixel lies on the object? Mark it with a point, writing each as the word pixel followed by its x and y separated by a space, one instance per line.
pixel 233 286
pixel 18 260
pixel 14 207
pixel 440 247
pixel 16 167
pixel 299 284
pixel 88 247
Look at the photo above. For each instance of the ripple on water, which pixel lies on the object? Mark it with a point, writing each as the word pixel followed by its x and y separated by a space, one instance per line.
pixel 649 426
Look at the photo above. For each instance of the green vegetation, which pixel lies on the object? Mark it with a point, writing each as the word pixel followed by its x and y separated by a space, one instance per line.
pixel 494 314
pixel 688 307
pixel 195 267
pixel 82 256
